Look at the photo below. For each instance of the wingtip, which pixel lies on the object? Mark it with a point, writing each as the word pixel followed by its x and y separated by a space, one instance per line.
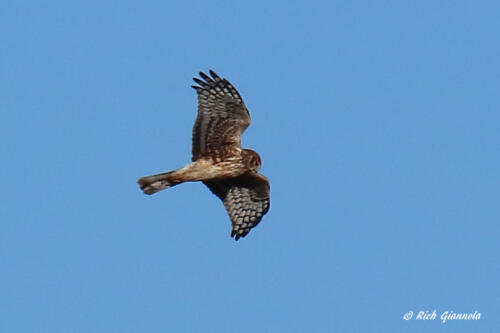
pixel 235 235
pixel 208 82
pixel 238 235
pixel 199 82
pixel 214 75
pixel 206 77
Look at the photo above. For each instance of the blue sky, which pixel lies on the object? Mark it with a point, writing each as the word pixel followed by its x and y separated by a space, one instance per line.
pixel 377 123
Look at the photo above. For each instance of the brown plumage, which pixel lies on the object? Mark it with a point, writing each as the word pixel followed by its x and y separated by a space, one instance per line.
pixel 218 160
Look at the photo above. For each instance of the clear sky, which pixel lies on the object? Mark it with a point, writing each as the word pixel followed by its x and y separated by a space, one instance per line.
pixel 378 124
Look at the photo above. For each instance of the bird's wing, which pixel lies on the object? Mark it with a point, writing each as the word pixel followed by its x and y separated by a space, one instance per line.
pixel 246 199
pixel 222 116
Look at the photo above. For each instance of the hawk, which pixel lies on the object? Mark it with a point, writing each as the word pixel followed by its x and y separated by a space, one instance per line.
pixel 229 171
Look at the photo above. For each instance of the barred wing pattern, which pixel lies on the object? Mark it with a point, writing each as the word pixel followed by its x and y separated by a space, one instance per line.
pixel 222 116
pixel 246 199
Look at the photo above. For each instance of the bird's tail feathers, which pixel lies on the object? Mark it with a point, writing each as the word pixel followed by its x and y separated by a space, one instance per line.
pixel 156 183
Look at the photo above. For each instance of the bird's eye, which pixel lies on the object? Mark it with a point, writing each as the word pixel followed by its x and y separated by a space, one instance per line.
pixel 256 163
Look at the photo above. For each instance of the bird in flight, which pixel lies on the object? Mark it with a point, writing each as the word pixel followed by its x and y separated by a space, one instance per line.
pixel 229 171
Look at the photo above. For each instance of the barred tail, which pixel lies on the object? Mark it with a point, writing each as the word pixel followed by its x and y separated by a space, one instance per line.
pixel 156 183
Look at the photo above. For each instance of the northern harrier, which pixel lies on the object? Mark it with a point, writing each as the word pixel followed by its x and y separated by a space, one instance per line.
pixel 229 171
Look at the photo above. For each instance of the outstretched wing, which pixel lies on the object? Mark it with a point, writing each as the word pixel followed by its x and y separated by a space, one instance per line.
pixel 246 199
pixel 222 116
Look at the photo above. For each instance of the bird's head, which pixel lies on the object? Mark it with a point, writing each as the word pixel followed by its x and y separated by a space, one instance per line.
pixel 252 160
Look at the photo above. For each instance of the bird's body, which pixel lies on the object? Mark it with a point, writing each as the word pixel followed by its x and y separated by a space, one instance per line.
pixel 210 168
pixel 218 160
